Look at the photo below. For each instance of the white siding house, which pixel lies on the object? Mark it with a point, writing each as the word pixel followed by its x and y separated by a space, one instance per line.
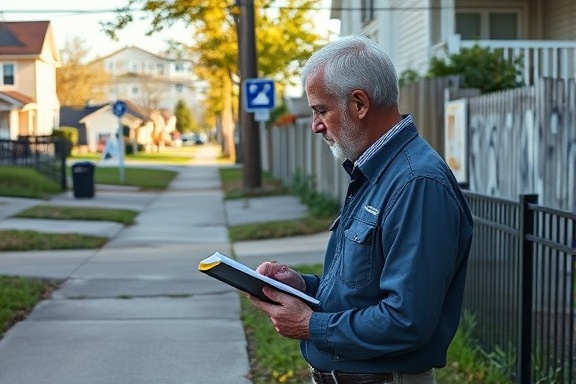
pixel 542 32
pixel 152 81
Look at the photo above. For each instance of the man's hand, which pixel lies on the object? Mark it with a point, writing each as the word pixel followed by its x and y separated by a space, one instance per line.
pixel 290 316
pixel 282 273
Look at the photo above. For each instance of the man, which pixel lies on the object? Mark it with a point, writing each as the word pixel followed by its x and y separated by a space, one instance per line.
pixel 395 266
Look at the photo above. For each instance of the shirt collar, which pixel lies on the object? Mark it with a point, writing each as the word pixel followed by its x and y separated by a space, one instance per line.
pixel 386 137
pixel 350 166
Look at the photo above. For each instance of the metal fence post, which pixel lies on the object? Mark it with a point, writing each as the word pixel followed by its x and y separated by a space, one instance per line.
pixel 524 367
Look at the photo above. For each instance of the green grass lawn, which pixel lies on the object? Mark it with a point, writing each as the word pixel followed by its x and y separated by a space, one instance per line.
pixel 60 212
pixel 24 240
pixel 168 155
pixel 18 296
pixel 26 182
pixel 143 178
pixel 232 184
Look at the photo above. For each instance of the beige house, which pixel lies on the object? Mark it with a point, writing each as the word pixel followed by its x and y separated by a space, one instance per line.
pixel 28 60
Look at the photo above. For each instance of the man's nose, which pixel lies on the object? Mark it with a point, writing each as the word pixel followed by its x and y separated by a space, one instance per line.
pixel 317 124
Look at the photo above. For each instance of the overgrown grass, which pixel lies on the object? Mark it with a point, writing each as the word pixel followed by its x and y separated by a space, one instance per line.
pixel 276 229
pixel 24 240
pixel 466 362
pixel 58 212
pixel 144 178
pixel 319 204
pixel 232 179
pixel 322 210
pixel 18 296
pixel 18 181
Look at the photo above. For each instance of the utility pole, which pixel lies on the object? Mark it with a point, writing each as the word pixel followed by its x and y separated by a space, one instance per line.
pixel 249 130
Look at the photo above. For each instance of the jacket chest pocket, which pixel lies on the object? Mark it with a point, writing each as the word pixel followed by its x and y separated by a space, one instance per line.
pixel 357 259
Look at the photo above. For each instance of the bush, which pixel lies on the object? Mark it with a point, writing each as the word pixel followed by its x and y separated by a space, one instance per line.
pixel 480 68
pixel 319 204
pixel 68 133
pixel 408 76
pixel 70 139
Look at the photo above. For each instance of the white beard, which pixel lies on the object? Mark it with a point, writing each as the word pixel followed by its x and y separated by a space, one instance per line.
pixel 337 152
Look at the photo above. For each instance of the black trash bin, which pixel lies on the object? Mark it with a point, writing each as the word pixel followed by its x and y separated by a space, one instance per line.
pixel 83 179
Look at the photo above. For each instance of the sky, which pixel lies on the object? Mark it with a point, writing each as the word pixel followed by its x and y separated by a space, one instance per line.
pixel 81 19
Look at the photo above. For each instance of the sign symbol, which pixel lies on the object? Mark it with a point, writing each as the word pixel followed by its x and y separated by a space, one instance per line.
pixel 119 108
pixel 261 94
pixel 258 95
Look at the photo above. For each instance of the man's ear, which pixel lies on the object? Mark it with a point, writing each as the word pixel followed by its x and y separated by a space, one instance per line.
pixel 361 103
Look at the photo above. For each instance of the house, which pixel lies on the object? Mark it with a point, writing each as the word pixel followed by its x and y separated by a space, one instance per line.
pixel 28 60
pixel 97 123
pixel 152 81
pixel 413 31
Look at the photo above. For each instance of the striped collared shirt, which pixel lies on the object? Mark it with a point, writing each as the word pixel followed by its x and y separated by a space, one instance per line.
pixel 406 120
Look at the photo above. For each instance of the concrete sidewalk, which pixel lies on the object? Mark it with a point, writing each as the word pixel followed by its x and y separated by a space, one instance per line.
pixel 138 310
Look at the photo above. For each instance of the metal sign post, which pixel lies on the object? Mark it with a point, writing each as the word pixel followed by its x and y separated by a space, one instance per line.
pixel 119 109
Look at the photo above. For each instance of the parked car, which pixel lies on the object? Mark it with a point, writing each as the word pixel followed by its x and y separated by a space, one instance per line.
pixel 192 138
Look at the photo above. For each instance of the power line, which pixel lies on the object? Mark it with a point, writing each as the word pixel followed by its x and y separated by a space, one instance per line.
pixel 116 10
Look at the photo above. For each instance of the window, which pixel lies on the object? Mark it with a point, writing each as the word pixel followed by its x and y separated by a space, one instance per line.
pixel 473 25
pixel 7 72
pixel 503 26
pixel 179 88
pixel 179 67
pixel 135 90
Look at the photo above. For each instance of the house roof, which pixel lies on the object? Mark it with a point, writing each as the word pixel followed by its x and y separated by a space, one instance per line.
pixel 70 116
pixel 22 37
pixel 133 48
pixel 15 98
pixel 80 113
pixel 137 111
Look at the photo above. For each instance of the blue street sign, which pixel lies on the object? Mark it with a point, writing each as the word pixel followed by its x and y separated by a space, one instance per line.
pixel 119 108
pixel 258 94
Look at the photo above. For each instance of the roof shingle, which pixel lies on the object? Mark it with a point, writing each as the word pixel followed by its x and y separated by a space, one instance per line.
pixel 22 37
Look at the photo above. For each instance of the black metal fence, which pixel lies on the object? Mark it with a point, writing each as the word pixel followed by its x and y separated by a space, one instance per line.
pixel 46 154
pixel 521 287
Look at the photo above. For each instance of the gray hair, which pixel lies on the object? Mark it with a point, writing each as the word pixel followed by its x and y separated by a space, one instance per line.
pixel 355 62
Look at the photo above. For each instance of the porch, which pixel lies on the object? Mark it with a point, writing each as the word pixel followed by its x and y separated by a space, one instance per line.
pixel 540 58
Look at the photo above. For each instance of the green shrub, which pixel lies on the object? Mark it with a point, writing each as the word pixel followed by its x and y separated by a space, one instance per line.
pixel 70 139
pixel 68 133
pixel 408 76
pixel 480 68
pixel 319 205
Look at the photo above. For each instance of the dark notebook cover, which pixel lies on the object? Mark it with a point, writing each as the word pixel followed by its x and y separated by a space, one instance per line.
pixel 246 279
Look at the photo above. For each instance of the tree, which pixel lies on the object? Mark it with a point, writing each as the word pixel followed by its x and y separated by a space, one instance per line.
pixel 284 39
pixel 78 81
pixel 480 68
pixel 183 117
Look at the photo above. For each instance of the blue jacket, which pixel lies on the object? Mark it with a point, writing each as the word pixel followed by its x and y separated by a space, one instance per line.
pixel 395 265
